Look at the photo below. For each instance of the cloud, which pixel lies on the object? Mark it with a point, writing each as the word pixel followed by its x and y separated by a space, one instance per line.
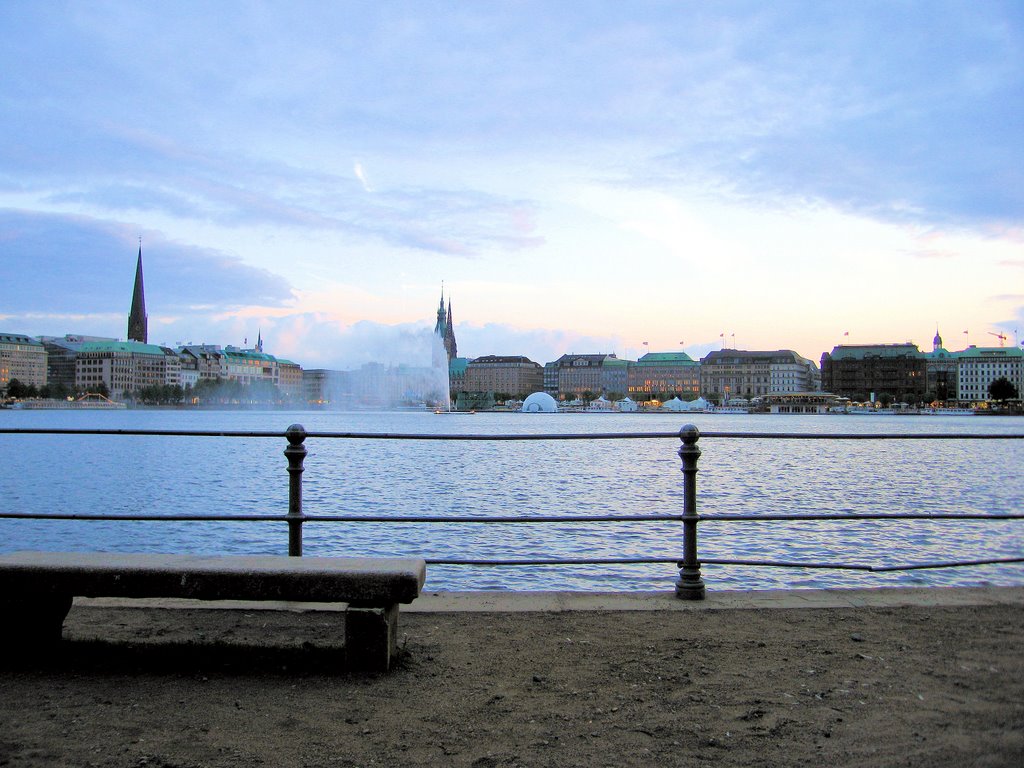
pixel 361 175
pixel 805 104
pixel 87 266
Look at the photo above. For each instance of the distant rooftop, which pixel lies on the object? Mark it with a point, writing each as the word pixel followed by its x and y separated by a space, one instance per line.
pixel 17 338
pixel 653 358
pixel 862 351
pixel 136 347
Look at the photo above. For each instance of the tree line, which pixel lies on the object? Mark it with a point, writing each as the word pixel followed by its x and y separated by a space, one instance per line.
pixel 206 392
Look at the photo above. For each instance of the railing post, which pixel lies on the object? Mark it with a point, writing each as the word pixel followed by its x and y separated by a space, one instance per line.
pixel 690 585
pixel 296 454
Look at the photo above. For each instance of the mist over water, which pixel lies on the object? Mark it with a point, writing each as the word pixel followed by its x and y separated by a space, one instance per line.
pixel 204 475
pixel 412 374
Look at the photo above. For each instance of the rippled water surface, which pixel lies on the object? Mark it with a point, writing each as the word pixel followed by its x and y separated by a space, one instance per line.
pixel 203 475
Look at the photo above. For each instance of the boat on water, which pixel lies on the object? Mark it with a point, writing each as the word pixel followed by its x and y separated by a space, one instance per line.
pixel 85 402
pixel 728 409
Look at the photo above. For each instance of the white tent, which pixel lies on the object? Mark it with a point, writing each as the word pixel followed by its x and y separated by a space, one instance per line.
pixel 681 406
pixel 539 402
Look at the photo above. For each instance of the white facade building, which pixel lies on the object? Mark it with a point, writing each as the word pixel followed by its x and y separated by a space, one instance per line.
pixel 978 367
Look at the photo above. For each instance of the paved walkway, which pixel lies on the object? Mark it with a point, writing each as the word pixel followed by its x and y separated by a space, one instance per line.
pixel 666 601
pixel 557 602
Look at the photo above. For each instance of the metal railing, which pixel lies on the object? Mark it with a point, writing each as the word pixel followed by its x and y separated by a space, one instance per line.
pixel 689 585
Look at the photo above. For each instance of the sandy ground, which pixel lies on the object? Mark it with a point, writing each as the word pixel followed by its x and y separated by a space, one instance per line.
pixel 866 686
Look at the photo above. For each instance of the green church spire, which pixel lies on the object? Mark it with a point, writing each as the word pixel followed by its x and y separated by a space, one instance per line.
pixel 138 323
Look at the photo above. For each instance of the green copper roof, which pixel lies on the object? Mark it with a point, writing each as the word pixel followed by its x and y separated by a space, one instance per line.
pixel 136 347
pixel 990 353
pixel 862 351
pixel 660 358
pixel 17 338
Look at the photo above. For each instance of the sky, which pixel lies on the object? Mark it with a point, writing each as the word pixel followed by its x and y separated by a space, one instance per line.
pixel 612 177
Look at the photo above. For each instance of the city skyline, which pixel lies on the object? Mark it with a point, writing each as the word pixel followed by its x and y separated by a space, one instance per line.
pixel 684 176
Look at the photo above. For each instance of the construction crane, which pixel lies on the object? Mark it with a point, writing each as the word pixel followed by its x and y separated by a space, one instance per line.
pixel 1000 336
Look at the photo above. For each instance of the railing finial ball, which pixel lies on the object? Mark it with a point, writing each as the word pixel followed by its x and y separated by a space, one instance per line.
pixel 296 434
pixel 689 434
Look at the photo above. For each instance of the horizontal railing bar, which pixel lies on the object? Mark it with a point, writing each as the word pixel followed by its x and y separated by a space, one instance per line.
pixel 863 516
pixel 504 518
pixel 563 561
pixel 496 438
pixel 855 567
pixel 865 436
pixel 340 518
pixel 957 564
pixel 714 561
pixel 143 432
pixel 495 519
pixel 786 564
pixel 179 518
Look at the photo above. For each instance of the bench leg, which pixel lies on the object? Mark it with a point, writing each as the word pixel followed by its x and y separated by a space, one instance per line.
pixel 33 620
pixel 371 637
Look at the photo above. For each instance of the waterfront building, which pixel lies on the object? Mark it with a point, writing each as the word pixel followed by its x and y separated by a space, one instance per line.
pixel 22 358
pixel 978 367
pixel 321 386
pixel 551 378
pixel 457 375
pixel 517 377
pixel 594 374
pixel 203 361
pixel 61 353
pixel 941 371
pixel 865 371
pixel 734 373
pixel 289 379
pixel 124 366
pixel 663 375
pixel 247 366
pixel 138 322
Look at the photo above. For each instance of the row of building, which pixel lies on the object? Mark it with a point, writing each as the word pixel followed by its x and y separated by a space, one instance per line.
pixel 900 372
pixel 120 368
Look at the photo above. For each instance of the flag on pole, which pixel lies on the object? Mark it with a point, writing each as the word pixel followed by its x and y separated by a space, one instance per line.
pixel 645 343
pixel 846 333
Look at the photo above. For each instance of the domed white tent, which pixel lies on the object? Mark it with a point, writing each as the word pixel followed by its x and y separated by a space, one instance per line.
pixel 680 406
pixel 539 402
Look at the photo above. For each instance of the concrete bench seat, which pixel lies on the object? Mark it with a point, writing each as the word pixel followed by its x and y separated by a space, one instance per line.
pixel 36 590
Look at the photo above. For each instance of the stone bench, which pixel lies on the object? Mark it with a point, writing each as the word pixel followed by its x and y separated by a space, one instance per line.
pixel 36 590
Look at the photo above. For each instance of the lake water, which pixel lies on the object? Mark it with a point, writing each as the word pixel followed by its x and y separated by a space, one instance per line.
pixel 205 475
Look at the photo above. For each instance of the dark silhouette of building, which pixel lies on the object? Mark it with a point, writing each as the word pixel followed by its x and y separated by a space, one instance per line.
pixel 863 371
pixel 445 330
pixel 138 323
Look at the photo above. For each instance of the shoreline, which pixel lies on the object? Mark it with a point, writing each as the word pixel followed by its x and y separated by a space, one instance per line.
pixel 541 601
pixel 923 678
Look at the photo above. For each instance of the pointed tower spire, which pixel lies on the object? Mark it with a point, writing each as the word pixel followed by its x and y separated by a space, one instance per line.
pixel 259 340
pixel 440 327
pixel 449 335
pixel 138 322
